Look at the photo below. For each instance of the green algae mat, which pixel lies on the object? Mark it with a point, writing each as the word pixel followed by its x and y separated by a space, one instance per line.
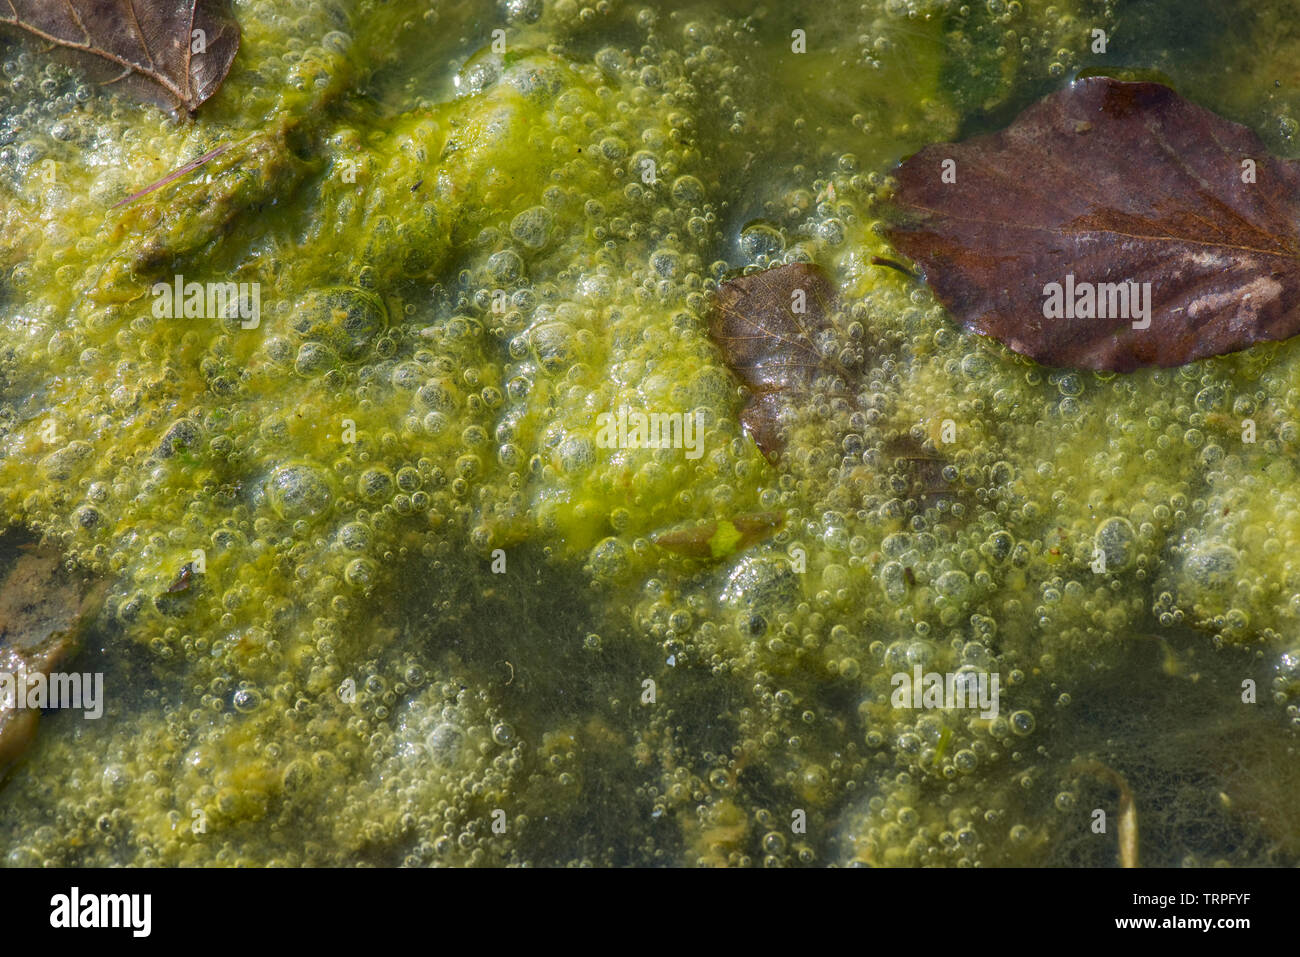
pixel 383 484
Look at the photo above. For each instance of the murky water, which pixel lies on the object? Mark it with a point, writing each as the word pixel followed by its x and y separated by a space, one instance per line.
pixel 379 592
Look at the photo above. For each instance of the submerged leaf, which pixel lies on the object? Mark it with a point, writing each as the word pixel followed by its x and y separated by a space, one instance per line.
pixel 775 333
pixel 720 539
pixel 173 52
pixel 769 325
pixel 1046 235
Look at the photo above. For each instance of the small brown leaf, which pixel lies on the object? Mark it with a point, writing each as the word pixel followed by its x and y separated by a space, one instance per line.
pixel 775 333
pixel 1103 185
pixel 722 538
pixel 172 52
pixel 770 326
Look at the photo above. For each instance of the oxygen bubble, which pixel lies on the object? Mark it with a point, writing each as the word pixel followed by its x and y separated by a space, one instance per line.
pixel 893 581
pixel 976 365
pixel 522 11
pixel 1070 384
pixel 688 192
pixel 314 358
pixel 439 395
pixel 360 573
pixel 115 779
pixel 1211 399
pixel 279 350
pixel 479 72
pixel 444 742
pixel 60 464
pixel 87 517
pixel 609 559
pixel 1117 539
pixel 298 491
pixel 761 584
pixel 760 242
pixel 505 266
pixel 552 345
pixel 1212 567
pixel 965 760
pixel 347 320
pixel 612 60
pixel 576 454
pixel 831 232
pixel 375 485
pixel 503 734
pixel 532 227
pixel 181 435
pixel 953 585
pixel 246 700
pixel 1022 722
pixel 354 536
pixel 667 263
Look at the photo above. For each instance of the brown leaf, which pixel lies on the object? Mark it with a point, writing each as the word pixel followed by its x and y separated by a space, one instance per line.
pixel 722 538
pixel 1109 182
pixel 153 47
pixel 771 345
pixel 775 333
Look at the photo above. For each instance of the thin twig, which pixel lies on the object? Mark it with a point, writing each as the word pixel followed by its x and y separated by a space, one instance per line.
pixel 893 264
pixel 189 167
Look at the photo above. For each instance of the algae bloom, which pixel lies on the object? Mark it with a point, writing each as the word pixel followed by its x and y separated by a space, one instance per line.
pixel 371 583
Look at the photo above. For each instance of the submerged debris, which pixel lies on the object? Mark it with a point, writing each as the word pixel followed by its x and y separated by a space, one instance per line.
pixel 43 612
pixel 721 538
pixel 769 325
pixel 1127 826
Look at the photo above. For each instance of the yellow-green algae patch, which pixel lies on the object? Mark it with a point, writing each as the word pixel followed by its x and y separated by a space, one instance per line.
pixel 423 597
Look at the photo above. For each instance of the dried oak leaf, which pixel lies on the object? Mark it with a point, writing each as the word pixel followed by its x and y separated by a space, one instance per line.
pixel 1109 182
pixel 172 52
pixel 770 326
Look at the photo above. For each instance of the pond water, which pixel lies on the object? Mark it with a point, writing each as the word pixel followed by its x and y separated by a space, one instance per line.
pixel 378 586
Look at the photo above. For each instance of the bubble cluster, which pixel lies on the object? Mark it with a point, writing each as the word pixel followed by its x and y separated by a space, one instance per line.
pixel 463 285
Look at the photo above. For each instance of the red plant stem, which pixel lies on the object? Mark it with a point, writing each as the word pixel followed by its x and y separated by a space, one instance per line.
pixel 177 174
